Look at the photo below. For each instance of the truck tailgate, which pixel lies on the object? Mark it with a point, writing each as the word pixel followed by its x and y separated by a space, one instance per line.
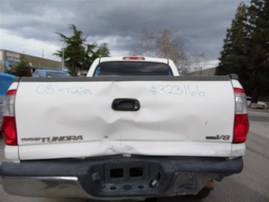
pixel 181 116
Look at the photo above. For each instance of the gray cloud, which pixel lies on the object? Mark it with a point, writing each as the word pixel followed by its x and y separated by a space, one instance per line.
pixel 200 24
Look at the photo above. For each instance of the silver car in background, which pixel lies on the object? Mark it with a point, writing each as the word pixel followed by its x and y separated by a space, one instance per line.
pixel 262 104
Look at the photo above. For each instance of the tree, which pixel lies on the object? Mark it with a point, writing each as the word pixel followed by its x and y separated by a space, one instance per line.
pixel 74 51
pixel 234 56
pixel 245 50
pixel 197 60
pixel 169 46
pixel 22 68
pixel 79 55
pixel 97 51
pixel 92 52
pixel 163 44
pixel 258 24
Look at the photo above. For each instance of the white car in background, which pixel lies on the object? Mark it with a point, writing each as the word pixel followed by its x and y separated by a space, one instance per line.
pixel 261 103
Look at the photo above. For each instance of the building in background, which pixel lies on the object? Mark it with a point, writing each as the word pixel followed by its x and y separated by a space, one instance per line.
pixel 203 68
pixel 204 72
pixel 9 59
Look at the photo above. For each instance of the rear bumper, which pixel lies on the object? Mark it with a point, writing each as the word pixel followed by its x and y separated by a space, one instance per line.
pixel 115 177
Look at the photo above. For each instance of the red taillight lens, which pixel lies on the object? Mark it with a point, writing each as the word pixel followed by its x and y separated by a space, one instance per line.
pixel 133 58
pixel 239 90
pixel 9 130
pixel 241 127
pixel 241 124
pixel 11 92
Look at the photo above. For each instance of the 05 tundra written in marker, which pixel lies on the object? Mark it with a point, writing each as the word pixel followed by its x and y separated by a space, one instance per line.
pixel 133 129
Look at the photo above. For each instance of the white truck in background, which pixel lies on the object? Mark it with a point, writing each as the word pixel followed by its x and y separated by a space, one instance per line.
pixel 132 129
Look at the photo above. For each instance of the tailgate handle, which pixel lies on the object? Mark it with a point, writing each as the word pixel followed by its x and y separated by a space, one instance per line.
pixel 125 104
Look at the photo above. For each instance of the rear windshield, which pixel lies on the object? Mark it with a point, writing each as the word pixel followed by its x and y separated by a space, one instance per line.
pixel 120 68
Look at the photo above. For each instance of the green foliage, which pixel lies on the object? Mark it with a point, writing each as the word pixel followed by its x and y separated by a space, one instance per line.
pixel 233 56
pixel 258 25
pixel 22 68
pixel 245 50
pixel 78 55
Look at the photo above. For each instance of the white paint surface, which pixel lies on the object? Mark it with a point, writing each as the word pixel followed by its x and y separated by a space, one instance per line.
pixel 172 121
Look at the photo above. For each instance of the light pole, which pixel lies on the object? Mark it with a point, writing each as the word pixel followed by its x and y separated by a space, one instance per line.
pixel 62 58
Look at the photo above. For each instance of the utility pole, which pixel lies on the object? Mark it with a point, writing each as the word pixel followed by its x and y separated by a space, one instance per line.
pixel 62 58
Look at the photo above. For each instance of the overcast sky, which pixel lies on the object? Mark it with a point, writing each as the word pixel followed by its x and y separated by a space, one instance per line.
pixel 29 26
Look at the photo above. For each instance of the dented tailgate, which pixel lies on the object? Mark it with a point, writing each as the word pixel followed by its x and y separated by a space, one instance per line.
pixel 179 116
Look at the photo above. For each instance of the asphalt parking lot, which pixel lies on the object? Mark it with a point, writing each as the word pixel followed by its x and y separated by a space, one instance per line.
pixel 251 185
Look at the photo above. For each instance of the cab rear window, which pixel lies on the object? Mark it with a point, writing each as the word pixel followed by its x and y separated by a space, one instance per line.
pixel 120 68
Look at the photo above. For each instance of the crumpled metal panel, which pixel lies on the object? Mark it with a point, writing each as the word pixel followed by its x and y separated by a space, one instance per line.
pixel 75 119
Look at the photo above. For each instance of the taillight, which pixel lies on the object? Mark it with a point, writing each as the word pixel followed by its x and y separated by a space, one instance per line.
pixel 241 123
pixel 9 131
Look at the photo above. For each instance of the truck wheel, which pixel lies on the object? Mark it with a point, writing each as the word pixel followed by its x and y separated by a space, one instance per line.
pixel 203 193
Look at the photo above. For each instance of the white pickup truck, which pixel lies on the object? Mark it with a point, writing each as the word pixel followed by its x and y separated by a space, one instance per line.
pixel 132 129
